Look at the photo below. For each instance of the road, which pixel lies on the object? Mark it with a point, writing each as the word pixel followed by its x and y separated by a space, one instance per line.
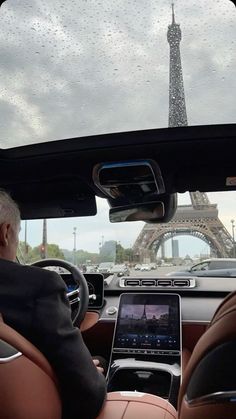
pixel 159 272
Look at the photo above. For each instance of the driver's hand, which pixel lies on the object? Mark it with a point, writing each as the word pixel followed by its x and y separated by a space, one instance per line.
pixel 96 363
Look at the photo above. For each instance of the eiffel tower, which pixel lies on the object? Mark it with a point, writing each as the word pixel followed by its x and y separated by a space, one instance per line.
pixel 200 219
pixel 144 315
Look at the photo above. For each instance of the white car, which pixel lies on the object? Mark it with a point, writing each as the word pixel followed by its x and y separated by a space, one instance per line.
pixel 145 268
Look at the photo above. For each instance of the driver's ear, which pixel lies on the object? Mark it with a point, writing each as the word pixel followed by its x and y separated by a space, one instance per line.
pixel 4 234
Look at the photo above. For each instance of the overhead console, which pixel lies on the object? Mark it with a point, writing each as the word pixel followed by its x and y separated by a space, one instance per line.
pixel 146 350
pixel 135 191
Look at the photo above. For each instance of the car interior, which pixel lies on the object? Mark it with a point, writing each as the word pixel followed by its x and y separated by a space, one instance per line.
pixel 169 341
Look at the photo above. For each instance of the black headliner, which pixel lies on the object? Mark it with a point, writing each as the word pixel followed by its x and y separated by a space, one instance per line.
pixel 190 158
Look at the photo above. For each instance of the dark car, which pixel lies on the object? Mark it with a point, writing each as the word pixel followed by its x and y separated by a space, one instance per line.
pixel 210 267
pixel 105 267
pixel 213 273
pixel 120 270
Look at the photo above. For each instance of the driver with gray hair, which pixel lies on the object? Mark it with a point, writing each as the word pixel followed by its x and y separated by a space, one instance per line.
pixel 9 226
pixel 34 302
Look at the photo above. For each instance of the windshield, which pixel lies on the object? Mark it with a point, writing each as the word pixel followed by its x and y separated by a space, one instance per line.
pixel 96 245
pixel 79 68
pixel 86 67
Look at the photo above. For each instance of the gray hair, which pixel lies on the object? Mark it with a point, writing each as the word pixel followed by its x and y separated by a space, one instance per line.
pixel 9 210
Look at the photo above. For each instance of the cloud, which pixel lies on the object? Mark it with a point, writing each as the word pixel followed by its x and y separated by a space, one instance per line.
pixel 91 67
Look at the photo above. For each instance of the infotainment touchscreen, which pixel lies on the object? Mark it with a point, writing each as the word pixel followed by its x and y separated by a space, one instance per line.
pixel 148 323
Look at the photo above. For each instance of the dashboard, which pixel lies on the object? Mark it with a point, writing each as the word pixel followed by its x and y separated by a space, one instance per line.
pixel 199 296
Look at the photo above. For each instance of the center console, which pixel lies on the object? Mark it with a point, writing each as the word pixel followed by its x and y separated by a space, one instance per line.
pixel 146 350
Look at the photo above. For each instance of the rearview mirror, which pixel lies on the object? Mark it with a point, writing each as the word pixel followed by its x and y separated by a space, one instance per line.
pixel 159 211
pixel 151 211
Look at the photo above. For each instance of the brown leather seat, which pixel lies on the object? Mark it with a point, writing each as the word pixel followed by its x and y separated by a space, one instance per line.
pixel 28 386
pixel 208 388
pixel 134 405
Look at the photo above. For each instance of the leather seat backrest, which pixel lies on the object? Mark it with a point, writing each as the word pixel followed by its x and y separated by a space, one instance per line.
pixel 212 369
pixel 28 386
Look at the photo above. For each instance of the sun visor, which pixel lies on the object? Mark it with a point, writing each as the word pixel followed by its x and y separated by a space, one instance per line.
pixel 53 199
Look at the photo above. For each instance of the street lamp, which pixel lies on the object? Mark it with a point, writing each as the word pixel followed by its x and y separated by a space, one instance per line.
pixel 233 226
pixel 44 241
pixel 26 245
pixel 118 259
pixel 74 250
pixel 172 245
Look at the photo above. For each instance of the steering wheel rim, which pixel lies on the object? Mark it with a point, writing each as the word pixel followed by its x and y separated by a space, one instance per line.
pixel 78 278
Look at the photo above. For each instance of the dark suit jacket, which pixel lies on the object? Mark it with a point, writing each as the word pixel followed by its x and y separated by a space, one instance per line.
pixel 33 301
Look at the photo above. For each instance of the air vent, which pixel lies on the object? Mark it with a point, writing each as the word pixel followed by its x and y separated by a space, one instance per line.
pixel 181 283
pixel 148 282
pixel 158 283
pixel 164 283
pixel 132 283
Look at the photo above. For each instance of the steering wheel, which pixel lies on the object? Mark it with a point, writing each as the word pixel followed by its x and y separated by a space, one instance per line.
pixel 79 298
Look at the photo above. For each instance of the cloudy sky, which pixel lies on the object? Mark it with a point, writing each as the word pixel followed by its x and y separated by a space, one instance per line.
pixel 85 67
pixel 82 67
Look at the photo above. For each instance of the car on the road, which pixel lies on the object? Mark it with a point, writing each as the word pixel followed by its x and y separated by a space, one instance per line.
pixel 91 268
pixel 120 270
pixel 145 267
pixel 105 267
pixel 209 267
pixel 166 264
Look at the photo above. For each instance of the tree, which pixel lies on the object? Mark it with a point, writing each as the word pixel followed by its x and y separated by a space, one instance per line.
pixel 124 255
pixel 120 254
pixel 108 251
pixel 129 255
pixel 81 256
pixel 54 251
pixel 27 254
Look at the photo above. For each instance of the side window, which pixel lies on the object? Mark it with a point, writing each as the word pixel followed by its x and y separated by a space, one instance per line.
pixel 218 265
pixel 223 265
pixel 204 266
pixel 231 265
